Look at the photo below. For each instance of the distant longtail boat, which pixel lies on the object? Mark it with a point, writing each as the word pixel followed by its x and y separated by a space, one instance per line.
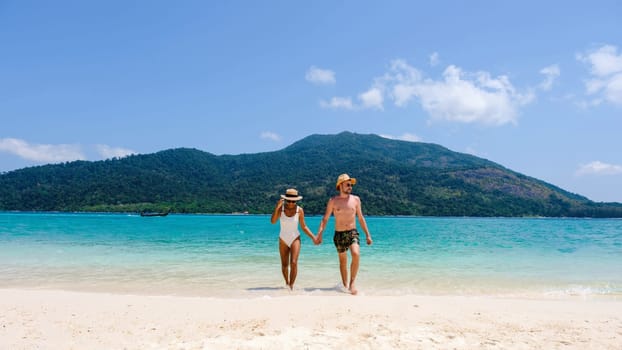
pixel 153 214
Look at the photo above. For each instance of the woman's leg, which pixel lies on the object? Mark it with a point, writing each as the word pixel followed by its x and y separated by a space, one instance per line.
pixel 284 251
pixel 293 263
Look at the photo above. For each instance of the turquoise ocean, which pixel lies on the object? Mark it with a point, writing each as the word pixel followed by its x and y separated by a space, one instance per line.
pixel 237 256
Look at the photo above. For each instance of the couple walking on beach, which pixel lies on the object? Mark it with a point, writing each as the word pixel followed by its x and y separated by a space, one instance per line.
pixel 345 207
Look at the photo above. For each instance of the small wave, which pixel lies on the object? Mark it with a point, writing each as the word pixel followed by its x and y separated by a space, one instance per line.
pixel 586 291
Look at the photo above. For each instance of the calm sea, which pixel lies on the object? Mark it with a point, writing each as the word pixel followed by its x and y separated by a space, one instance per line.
pixel 237 256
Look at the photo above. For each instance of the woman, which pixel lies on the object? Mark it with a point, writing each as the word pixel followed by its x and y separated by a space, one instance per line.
pixel 290 215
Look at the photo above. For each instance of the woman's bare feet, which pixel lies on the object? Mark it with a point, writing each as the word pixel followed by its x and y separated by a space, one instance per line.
pixel 353 289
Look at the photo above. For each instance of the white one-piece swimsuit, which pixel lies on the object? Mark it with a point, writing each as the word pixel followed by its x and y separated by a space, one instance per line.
pixel 289 227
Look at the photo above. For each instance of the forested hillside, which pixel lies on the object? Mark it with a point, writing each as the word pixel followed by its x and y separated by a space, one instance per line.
pixel 394 178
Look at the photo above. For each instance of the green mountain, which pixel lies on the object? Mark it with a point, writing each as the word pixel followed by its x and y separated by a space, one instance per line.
pixel 394 178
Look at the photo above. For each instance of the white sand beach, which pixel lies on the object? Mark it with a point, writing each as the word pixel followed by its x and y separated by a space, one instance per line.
pixel 41 319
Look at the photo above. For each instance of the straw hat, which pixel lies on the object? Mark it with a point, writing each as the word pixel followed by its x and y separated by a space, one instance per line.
pixel 343 178
pixel 291 195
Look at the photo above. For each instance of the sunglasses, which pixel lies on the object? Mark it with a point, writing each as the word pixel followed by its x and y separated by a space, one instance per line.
pixel 348 185
pixel 288 201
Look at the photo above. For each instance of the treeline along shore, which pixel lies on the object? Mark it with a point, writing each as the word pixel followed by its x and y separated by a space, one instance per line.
pixel 394 178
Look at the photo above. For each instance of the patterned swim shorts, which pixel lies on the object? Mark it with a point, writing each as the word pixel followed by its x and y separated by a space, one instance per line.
pixel 344 239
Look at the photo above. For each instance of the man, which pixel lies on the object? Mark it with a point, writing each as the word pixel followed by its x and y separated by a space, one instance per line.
pixel 345 207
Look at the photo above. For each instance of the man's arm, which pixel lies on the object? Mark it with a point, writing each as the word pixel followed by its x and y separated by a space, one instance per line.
pixel 329 211
pixel 362 222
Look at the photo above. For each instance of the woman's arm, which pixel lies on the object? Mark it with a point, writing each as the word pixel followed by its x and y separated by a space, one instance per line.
pixel 303 225
pixel 277 211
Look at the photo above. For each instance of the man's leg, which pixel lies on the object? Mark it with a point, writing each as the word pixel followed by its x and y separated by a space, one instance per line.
pixel 343 268
pixel 355 250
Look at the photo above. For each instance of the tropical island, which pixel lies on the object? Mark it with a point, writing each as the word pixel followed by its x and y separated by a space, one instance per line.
pixel 395 178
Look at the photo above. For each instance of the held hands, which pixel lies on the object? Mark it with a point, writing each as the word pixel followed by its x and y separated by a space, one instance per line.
pixel 317 240
pixel 314 239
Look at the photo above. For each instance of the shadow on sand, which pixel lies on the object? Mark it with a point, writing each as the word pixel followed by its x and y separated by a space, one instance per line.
pixel 307 289
pixel 265 289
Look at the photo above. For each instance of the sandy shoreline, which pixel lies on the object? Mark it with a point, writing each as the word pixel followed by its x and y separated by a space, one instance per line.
pixel 32 319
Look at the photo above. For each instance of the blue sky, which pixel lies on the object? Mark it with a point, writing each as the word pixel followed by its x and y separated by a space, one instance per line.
pixel 535 86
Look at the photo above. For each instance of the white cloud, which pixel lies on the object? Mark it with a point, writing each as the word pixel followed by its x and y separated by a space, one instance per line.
pixel 613 91
pixel 405 137
pixel 464 97
pixel 372 98
pixel 550 73
pixel 107 152
pixel 41 153
pixel 403 79
pixel 338 103
pixel 604 60
pixel 594 85
pixel 401 72
pixel 606 74
pixel 320 76
pixel 599 168
pixel 470 150
pixel 269 135
pixel 434 60
pixel 458 96
pixel 470 98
